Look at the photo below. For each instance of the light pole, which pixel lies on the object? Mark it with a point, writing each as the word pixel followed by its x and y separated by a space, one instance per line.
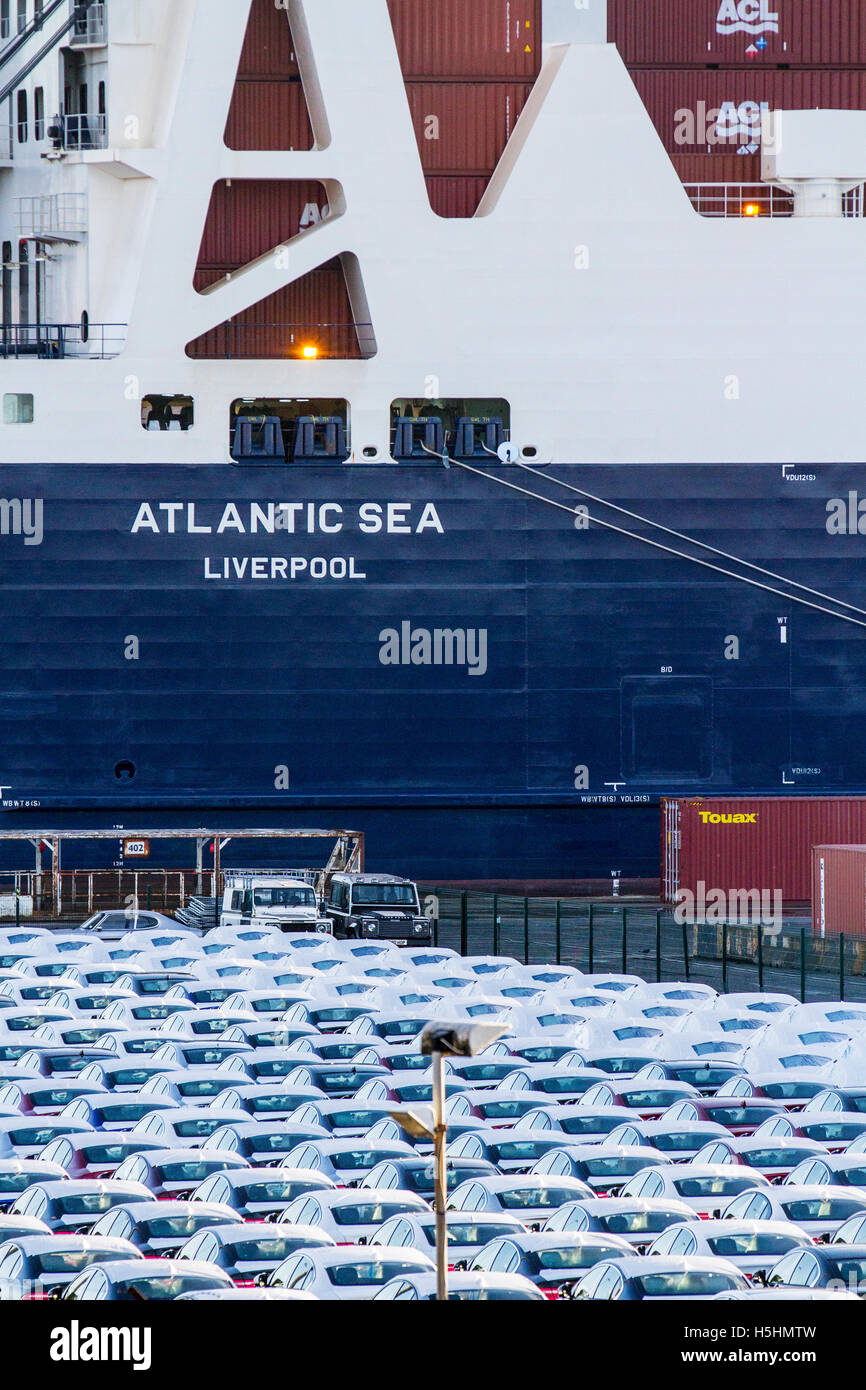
pixel 457 1040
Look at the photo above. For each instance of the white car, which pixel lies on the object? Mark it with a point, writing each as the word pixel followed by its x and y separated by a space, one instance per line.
pixel 529 1196
pixel 819 1211
pixel 349 1214
pixel 751 1245
pixel 350 1271
pixel 705 1187
pixel 463 1287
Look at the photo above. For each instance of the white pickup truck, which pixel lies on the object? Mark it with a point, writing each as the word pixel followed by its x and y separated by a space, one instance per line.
pixel 284 901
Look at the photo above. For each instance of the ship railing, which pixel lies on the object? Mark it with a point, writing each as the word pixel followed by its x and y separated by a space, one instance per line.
pixel 90 26
pixel 307 341
pixel 50 215
pixel 84 131
pixel 757 200
pixel 740 200
pixel 52 341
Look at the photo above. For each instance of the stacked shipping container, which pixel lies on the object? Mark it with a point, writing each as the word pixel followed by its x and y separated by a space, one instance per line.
pixel 705 69
pixel 839 890
pixel 469 69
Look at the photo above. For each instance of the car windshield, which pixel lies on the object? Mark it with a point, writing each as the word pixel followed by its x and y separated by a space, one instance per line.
pixel 383 895
pixel 82 1203
pixel 268 1248
pixel 832 1132
pixel 38 1137
pixel 575 1256
pixel 633 1222
pixel 275 1190
pixel 718 1185
pixel 685 1282
pixel 355 1119
pixel 527 1150
pixel 751 1243
pixel 275 1142
pixel 817 1208
pixel 623 1165
pixel 853 1271
pixel 194 1129
pixel 357 1158
pixel 676 1141
pixel 773 1158
pixel 106 1152
pixel 369 1272
pixel 541 1196
pixel 565 1084
pixel 156 1287
pixel 284 897
pixel 19 1182
pixel 69 1261
pixel 367 1213
pixel 790 1090
pixel 470 1232
pixel 740 1114
pixel 190 1170
pixel 589 1124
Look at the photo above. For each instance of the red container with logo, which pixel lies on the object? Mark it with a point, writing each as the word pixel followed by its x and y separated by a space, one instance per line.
pixel 741 844
pixel 839 890
pixel 739 33
pixel 719 113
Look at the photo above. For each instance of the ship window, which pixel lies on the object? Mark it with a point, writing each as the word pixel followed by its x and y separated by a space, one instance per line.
pixel 101 98
pixel 39 114
pixel 17 408
pixel 667 726
pixel 82 98
pixel 167 412
pixel 269 433
pixel 424 431
pixel 6 286
pixel 22 117
pixel 22 15
pixel 4 19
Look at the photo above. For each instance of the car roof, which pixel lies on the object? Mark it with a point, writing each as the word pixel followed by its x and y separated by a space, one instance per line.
pixel 34 1245
pixel 634 1266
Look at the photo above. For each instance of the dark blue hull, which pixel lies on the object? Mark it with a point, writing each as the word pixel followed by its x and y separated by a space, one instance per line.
pixel 494 695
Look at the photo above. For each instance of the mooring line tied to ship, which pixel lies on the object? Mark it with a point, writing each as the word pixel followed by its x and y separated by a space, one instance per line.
pixel 584 512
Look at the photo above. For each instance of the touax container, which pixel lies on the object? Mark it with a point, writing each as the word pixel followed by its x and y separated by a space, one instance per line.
pixel 743 844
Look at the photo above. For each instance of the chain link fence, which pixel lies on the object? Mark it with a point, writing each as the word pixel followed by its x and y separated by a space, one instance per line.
pixel 601 937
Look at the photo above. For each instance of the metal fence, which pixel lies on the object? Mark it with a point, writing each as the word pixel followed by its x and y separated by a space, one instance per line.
pixel 600 937
pixel 757 200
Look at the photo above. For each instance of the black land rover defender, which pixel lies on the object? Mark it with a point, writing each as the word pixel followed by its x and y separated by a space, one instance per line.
pixel 378 907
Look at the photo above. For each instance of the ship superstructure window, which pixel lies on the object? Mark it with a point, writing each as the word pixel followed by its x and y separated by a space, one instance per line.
pixel 167 412
pixel 22 15
pixel 39 114
pixel 22 117
pixel 272 433
pixel 425 431
pixel 17 408
pixel 6 288
pixel 4 19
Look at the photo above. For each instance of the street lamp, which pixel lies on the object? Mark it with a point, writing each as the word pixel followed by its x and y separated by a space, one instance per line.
pixel 456 1040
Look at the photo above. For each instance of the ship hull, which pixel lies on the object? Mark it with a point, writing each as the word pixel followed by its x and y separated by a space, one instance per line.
pixel 490 686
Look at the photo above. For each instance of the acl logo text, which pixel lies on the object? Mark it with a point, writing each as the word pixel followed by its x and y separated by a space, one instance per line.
pixel 747 17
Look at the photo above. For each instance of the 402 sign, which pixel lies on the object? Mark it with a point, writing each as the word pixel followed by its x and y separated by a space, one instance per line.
pixel 136 849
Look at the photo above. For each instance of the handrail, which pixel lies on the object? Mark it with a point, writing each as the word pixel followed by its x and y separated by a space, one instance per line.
pixel 80 9
pixel 52 341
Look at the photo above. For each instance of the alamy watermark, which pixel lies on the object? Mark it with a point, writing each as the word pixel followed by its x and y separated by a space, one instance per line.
pixel 22 516
pixel 438 646
pixel 709 907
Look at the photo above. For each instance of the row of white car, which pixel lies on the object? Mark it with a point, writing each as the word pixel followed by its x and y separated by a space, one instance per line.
pixel 227 1105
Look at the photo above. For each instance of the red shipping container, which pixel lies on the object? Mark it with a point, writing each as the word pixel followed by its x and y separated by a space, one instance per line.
pixel 249 217
pixel 268 49
pixel 269 115
pixel 314 309
pixel 736 33
pixel 456 195
pixel 719 113
pixel 468 38
pixel 462 128
pixel 839 890
pixel 741 844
